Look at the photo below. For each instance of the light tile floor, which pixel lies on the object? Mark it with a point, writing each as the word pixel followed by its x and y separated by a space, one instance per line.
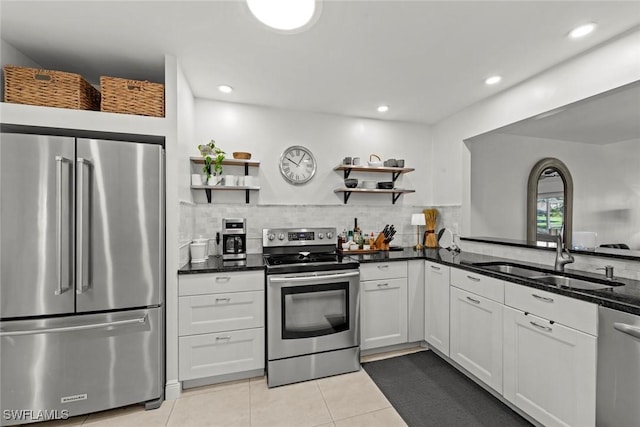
pixel 349 400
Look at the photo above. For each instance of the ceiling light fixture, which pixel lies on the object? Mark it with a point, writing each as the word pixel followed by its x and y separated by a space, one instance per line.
pixel 225 88
pixel 493 80
pixel 383 109
pixel 582 30
pixel 285 15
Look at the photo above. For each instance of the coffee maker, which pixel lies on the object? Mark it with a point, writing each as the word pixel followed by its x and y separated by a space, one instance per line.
pixel 234 238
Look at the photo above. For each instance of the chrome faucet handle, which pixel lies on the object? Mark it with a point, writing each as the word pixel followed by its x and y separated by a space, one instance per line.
pixel 608 269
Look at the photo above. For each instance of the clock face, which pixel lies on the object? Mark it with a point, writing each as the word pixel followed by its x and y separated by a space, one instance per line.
pixel 297 164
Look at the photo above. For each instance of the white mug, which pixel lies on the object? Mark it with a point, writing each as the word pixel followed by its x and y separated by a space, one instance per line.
pixel 241 180
pixel 196 179
pixel 229 180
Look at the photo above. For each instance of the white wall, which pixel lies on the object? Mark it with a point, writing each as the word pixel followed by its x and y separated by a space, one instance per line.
pixel 9 55
pixel 606 181
pixel 266 132
pixel 610 66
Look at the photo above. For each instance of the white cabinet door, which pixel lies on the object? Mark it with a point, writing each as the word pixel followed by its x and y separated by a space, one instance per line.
pixel 436 306
pixel 549 370
pixel 476 336
pixel 383 313
pixel 415 302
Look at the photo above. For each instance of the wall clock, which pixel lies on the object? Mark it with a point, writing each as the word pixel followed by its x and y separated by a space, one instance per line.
pixel 297 164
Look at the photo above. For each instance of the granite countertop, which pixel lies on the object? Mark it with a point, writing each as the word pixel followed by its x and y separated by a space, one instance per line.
pixel 624 298
pixel 215 264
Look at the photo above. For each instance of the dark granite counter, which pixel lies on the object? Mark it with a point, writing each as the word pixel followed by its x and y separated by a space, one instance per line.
pixel 624 298
pixel 215 264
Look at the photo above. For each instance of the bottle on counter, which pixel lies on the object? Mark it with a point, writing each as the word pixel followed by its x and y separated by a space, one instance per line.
pixel 356 231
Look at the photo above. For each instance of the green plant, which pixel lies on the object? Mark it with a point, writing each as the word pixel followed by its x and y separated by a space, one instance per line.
pixel 212 156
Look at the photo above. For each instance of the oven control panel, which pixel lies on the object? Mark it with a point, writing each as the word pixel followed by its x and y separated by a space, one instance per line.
pixel 299 236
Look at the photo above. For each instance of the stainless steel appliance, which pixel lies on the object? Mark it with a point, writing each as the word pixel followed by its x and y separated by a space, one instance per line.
pixel 234 238
pixel 618 382
pixel 81 275
pixel 312 306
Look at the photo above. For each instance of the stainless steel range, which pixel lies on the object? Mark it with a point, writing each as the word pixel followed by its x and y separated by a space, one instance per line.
pixel 313 327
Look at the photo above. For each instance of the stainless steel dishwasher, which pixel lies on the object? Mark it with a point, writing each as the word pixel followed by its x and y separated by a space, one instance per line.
pixel 618 384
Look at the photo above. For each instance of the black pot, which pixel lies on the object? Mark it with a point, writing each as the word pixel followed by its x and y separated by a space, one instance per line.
pixel 386 185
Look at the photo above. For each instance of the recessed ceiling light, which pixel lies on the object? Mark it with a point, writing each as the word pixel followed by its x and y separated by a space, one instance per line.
pixel 493 80
pixel 225 88
pixel 582 30
pixel 285 15
pixel 383 108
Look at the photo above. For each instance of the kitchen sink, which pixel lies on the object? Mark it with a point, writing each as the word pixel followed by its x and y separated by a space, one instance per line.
pixel 572 283
pixel 545 276
pixel 515 270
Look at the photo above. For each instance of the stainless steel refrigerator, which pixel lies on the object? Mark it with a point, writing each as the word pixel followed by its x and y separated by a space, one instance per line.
pixel 81 276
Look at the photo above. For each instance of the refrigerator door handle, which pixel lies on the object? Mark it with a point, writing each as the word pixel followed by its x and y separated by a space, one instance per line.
pixel 60 160
pixel 140 320
pixel 81 220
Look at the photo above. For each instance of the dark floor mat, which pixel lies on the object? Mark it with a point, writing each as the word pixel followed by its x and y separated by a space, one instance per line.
pixel 427 391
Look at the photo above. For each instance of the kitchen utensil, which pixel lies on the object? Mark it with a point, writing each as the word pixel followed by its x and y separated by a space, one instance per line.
pixel 385 185
pixel 351 182
pixel 241 155
pixel 374 163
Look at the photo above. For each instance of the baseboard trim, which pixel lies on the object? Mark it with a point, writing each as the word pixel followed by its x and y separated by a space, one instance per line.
pixel 172 390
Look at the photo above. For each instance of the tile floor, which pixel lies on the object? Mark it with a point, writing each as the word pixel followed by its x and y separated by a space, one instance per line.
pixel 349 400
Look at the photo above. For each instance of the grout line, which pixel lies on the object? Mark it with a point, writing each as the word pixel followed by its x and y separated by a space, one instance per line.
pixel 325 401
pixel 173 406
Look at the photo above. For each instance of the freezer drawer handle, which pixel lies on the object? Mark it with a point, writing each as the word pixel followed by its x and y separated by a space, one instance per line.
pixel 634 331
pixel 59 259
pixel 76 328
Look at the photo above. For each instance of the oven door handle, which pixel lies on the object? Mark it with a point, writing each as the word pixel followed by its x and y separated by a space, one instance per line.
pixel 299 279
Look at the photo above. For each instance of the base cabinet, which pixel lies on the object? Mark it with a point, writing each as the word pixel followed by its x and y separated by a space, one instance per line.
pixel 383 309
pixel 436 306
pixel 221 324
pixel 476 336
pixel 549 370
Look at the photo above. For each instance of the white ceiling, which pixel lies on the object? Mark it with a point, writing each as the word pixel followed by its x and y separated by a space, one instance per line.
pixel 426 59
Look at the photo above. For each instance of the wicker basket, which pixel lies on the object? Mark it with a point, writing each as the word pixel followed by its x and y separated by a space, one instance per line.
pixel 132 97
pixel 47 88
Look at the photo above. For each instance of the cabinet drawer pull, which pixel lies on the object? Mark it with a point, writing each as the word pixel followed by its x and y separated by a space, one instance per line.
pixel 545 299
pixel 475 279
pixel 223 299
pixel 473 300
pixel 223 278
pixel 545 328
pixel 383 266
pixel 435 268
pixel 223 338
pixel 381 285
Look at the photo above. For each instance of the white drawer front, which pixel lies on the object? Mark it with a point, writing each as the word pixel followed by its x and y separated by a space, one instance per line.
pixel 383 270
pixel 237 281
pixel 201 314
pixel 580 315
pixel 209 355
pixel 485 286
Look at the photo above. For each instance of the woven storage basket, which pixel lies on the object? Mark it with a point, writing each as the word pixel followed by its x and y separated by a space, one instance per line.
pixel 48 88
pixel 132 97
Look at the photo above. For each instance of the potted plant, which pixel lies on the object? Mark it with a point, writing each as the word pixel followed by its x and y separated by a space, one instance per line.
pixel 213 157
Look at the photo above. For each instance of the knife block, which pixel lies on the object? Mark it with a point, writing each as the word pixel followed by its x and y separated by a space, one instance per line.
pixel 379 243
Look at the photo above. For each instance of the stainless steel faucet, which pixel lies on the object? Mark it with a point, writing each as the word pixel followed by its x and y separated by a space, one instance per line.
pixel 563 256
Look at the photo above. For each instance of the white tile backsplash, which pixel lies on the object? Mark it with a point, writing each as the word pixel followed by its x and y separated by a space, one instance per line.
pixel 204 220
